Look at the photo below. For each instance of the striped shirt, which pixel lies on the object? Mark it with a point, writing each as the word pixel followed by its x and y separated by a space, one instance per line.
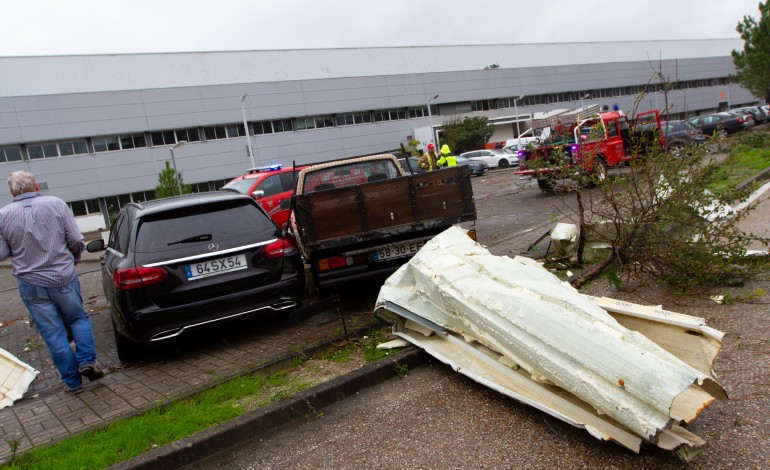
pixel 40 234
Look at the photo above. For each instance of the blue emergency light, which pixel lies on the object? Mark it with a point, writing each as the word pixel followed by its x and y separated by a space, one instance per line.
pixel 263 169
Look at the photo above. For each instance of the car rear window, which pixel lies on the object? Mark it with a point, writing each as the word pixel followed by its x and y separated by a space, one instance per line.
pixel 201 224
pixel 349 175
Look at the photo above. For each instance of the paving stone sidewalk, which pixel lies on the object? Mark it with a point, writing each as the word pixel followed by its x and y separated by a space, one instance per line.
pixel 47 414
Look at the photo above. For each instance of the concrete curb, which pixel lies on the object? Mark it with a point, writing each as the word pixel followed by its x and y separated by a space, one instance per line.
pixel 304 405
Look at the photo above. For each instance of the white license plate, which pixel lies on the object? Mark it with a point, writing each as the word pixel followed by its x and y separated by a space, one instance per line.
pixel 215 266
pixel 397 250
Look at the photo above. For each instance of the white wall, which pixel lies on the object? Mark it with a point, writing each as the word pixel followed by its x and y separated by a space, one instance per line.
pixel 90 222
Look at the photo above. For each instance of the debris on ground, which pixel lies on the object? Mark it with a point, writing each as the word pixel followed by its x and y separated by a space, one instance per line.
pixel 624 372
pixel 15 377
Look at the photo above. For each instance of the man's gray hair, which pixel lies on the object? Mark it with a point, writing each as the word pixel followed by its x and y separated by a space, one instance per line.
pixel 20 182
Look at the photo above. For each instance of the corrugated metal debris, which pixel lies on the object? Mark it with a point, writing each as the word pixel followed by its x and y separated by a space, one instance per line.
pixel 15 377
pixel 624 372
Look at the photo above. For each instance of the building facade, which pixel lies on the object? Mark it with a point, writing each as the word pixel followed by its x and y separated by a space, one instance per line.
pixel 97 130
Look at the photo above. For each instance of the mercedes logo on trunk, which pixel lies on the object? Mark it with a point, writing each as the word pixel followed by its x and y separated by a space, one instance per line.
pixel 213 246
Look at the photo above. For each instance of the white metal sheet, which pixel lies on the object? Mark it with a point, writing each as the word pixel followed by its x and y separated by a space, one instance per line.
pixel 558 336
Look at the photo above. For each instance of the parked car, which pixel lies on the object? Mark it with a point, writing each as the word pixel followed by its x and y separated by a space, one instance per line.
pixel 270 186
pixel 178 264
pixel 760 116
pixel 475 167
pixel 749 120
pixel 493 158
pixel 681 134
pixel 413 163
pixel 719 123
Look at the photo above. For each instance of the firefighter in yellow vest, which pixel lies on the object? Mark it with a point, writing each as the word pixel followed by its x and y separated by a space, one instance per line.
pixel 428 161
pixel 446 159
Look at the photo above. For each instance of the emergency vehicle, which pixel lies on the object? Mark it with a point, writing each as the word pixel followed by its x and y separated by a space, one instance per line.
pixel 269 186
pixel 593 144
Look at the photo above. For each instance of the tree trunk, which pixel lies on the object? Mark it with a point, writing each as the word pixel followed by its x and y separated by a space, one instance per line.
pixel 579 280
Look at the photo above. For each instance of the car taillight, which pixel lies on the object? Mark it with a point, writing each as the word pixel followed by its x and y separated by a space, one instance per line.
pixel 740 120
pixel 277 249
pixel 134 278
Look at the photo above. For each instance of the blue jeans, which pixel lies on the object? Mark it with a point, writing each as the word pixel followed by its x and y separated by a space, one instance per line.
pixel 52 309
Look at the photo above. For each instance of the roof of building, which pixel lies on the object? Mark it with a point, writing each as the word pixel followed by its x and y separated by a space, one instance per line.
pixel 44 75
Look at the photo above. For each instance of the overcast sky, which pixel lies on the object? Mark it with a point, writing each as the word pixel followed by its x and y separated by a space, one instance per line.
pixel 52 27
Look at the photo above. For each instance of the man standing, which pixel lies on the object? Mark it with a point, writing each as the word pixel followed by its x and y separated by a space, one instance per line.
pixel 428 161
pixel 447 159
pixel 40 234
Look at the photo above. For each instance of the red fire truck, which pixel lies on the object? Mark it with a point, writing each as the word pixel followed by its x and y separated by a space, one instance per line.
pixel 589 145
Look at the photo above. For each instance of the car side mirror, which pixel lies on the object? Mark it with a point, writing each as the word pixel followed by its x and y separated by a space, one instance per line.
pixel 95 246
pixel 285 203
pixel 258 194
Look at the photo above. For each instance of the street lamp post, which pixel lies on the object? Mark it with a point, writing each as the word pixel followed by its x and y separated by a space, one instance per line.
pixel 246 129
pixel 173 162
pixel 430 116
pixel 584 97
pixel 516 111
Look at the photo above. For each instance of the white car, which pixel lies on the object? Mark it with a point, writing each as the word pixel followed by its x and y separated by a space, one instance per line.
pixel 493 158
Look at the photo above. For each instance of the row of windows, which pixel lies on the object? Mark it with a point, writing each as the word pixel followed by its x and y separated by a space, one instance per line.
pixel 115 203
pixel 574 96
pixel 113 143
pixel 228 131
pixel 271 127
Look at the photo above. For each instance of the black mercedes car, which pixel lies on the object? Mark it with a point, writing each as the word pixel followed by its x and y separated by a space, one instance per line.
pixel 183 263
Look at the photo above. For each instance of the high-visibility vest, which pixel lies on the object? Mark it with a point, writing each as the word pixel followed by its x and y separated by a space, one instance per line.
pixel 447 160
pixel 429 162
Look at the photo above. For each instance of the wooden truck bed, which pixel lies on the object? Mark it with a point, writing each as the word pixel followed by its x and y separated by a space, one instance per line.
pixel 381 208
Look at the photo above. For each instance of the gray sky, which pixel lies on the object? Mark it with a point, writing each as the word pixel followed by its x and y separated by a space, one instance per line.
pixel 52 27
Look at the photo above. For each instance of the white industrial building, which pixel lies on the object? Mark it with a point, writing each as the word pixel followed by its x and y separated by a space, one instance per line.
pixel 97 129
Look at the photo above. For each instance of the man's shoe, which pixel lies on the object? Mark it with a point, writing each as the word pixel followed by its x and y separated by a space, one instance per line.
pixel 73 391
pixel 91 372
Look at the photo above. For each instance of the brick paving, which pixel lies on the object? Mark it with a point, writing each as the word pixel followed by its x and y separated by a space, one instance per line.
pixel 46 414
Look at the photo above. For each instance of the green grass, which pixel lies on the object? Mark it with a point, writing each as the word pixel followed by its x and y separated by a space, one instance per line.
pixel 128 438
pixel 749 155
pixel 131 437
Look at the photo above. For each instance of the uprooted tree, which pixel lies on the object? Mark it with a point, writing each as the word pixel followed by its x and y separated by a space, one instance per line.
pixel 657 217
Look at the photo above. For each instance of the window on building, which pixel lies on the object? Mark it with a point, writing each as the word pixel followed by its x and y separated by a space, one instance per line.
pixel 78 208
pixel 380 116
pixel 107 143
pixel 344 120
pixel 191 134
pixel 324 121
pixel 214 132
pixel 72 147
pixel 46 150
pixel 131 141
pixel 10 153
pixel 260 128
pixel 282 125
pixel 235 130
pixel 89 206
pixel 305 123
pixel 161 138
